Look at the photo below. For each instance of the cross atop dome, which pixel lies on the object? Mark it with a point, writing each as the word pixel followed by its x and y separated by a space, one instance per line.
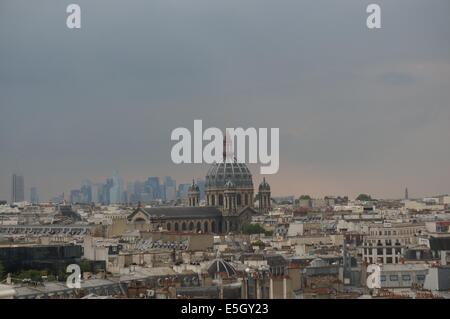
pixel 227 148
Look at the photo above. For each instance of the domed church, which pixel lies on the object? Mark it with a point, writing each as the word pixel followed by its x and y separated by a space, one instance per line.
pixel 229 202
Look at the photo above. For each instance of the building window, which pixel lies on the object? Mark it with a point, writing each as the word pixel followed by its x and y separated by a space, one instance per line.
pixel 420 277
pixel 382 278
pixel 220 200
pixel 168 226
pixel 393 277
pixel 406 277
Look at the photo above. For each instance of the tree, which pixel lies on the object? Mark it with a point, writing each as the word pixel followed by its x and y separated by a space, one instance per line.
pixel 85 266
pixel 33 274
pixel 258 243
pixel 305 197
pixel 251 229
pixel 364 198
pixel 268 233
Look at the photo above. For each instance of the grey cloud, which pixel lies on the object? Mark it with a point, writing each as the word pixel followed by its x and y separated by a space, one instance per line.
pixel 351 104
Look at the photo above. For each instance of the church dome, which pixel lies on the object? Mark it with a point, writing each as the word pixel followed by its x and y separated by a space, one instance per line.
pixel 218 266
pixel 221 173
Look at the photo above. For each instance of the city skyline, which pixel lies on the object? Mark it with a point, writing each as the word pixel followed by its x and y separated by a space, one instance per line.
pixel 220 155
pixel 126 184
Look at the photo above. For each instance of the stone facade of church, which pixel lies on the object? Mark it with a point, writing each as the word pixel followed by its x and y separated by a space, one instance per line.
pixel 229 203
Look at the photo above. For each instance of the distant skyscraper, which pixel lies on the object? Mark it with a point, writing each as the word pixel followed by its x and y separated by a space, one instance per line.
pixel 153 188
pixel 86 192
pixel 116 191
pixel 96 191
pixel 75 196
pixel 134 191
pixel 131 190
pixel 34 198
pixel 406 193
pixel 104 192
pixel 138 190
pixel 183 190
pixel 170 189
pixel 17 189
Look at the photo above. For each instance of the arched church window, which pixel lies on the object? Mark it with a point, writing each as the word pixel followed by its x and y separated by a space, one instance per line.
pixel 176 227
pixel 139 220
pixel 191 226
pixel 238 199
pixel 183 226
pixel 168 226
pixel 220 200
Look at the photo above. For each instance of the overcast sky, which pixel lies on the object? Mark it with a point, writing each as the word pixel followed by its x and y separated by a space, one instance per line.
pixel 358 110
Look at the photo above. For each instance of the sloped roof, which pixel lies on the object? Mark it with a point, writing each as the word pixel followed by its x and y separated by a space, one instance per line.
pixel 178 212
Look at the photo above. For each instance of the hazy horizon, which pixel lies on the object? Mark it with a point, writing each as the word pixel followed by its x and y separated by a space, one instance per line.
pixel 359 110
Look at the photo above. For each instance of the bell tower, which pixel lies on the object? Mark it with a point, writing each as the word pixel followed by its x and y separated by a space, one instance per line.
pixel 194 195
pixel 264 197
pixel 229 198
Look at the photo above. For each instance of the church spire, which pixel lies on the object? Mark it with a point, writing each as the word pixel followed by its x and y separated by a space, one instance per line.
pixel 227 147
